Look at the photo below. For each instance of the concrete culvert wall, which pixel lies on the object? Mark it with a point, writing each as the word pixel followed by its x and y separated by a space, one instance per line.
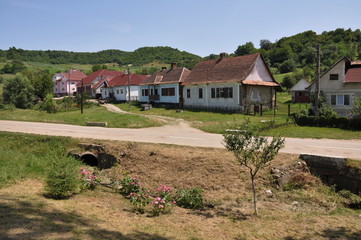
pixel 90 159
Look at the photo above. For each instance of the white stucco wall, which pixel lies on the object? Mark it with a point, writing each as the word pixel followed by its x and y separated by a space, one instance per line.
pixel 162 99
pixel 207 101
pixel 259 72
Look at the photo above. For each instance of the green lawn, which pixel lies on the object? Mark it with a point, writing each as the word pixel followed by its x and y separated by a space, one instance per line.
pixel 92 114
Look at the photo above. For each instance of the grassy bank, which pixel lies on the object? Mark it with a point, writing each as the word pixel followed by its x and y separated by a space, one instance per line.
pixel 92 114
pixel 312 212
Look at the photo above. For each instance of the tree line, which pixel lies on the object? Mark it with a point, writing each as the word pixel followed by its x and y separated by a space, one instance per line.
pixel 139 57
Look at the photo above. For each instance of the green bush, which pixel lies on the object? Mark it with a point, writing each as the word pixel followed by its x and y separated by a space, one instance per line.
pixel 353 200
pixel 190 198
pixel 129 185
pixel 62 179
pixel 49 104
pixel 334 121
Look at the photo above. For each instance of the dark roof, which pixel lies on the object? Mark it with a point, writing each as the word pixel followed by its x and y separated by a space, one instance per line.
pixel 103 72
pixel 122 80
pixel 353 75
pixel 232 69
pixel 174 75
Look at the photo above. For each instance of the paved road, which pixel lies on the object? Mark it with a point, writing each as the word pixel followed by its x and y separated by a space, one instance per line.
pixel 180 134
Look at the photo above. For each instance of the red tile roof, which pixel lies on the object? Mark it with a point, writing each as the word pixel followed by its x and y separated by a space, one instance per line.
pixel 104 73
pixel 353 75
pixel 232 69
pixel 101 81
pixel 122 80
pixel 174 75
pixel 74 75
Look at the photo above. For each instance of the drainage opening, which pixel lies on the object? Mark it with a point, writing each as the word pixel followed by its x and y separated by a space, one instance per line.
pixel 89 159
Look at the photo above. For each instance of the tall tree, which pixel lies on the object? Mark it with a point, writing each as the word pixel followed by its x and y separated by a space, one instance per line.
pixel 41 82
pixel 247 48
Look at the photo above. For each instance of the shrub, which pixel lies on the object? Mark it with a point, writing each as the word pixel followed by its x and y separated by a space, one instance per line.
pixel 62 179
pixel 190 198
pixel 129 185
pixel 162 206
pixel 140 200
pixel 89 180
pixel 49 104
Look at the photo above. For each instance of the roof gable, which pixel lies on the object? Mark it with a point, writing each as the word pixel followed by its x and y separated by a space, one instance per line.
pixel 103 73
pixel 301 85
pixel 122 80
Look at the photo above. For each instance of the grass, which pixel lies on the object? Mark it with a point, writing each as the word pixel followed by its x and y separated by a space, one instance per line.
pixel 104 214
pixel 92 114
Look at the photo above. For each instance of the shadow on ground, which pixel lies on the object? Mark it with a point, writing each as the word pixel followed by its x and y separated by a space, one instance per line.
pixel 334 233
pixel 20 219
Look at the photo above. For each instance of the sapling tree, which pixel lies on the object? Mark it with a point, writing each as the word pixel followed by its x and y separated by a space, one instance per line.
pixel 252 150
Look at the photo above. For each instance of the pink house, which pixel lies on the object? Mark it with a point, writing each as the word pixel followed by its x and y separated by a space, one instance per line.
pixel 65 83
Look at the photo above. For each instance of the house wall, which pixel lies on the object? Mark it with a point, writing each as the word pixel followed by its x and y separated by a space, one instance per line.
pixel 338 88
pixel 121 93
pixel 256 95
pixel 207 102
pixel 162 99
pixel 60 87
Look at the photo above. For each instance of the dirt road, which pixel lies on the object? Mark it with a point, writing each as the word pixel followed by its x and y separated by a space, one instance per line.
pixel 180 134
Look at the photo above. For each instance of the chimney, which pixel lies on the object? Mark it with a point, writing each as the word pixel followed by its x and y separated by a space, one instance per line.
pixel 173 65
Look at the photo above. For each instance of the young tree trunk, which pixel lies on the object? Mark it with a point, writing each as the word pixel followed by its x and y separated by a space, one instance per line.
pixel 254 196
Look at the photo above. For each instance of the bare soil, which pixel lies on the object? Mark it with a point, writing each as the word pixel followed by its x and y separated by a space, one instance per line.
pixel 309 213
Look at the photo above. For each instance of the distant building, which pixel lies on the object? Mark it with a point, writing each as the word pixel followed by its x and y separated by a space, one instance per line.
pixel 65 82
pixel 341 84
pixel 117 88
pixel 230 84
pixel 300 93
pixel 93 83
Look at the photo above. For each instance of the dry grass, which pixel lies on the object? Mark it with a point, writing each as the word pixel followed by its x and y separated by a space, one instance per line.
pixel 103 214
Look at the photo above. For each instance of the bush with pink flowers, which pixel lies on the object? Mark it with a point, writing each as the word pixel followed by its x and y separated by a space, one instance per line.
pixel 129 185
pixel 89 180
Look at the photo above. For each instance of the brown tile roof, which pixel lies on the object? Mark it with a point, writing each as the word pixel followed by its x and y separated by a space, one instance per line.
pixel 175 75
pixel 122 80
pixel 232 69
pixel 74 75
pixel 103 72
pixel 353 75
pixel 101 81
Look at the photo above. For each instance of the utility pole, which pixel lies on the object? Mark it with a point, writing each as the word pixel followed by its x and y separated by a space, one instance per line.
pixel 128 87
pixel 82 96
pixel 317 99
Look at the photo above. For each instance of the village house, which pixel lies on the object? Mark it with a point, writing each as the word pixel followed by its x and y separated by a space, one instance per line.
pixel 117 88
pixel 234 84
pixel 340 85
pixel 93 83
pixel 164 86
pixel 300 93
pixel 65 82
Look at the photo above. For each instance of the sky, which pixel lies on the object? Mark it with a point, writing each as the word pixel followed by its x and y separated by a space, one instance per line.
pixel 200 27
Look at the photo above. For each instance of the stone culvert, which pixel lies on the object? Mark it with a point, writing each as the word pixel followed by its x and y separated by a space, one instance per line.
pixel 95 155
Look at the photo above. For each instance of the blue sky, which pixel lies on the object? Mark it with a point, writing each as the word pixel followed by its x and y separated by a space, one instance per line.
pixel 201 27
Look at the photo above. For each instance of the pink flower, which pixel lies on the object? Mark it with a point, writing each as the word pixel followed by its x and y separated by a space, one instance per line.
pixel 155 202
pixel 174 202
pixel 161 206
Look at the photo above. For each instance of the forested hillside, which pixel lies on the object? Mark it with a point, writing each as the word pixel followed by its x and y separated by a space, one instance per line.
pixel 139 57
pixel 296 53
pixel 299 51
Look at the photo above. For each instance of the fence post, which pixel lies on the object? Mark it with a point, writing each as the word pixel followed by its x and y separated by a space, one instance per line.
pixel 289 109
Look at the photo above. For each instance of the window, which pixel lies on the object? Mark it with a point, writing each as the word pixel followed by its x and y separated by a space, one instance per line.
pixel 145 92
pixel 62 89
pixel 340 100
pixel 226 92
pixel 168 91
pixel 155 91
pixel 72 83
pixel 333 76
pixel 122 91
pixel 188 93
pixel 151 91
pixel 117 91
pixel 200 93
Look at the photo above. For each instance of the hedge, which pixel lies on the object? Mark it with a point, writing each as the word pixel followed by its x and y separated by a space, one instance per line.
pixel 334 122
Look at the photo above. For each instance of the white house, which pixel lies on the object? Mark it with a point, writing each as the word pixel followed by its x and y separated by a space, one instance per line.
pixel 118 87
pixel 341 84
pixel 230 84
pixel 164 86
pixel 65 83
